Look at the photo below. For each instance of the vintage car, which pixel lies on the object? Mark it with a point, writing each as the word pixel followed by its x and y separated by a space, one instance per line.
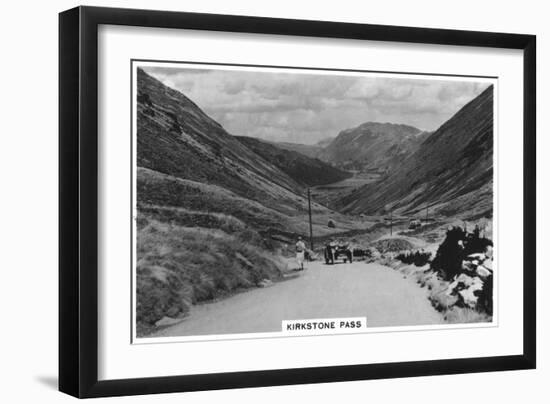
pixel 334 251
pixel 414 224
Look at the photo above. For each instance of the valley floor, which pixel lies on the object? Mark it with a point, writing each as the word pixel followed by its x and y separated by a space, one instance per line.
pixel 381 294
pixel 327 194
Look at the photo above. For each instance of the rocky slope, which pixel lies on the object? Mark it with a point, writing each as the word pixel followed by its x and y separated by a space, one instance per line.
pixel 451 172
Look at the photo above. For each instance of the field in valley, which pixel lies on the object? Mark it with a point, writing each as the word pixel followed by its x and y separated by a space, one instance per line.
pixel 329 193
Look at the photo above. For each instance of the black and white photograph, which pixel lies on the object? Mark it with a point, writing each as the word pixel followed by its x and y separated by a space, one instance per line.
pixel 288 201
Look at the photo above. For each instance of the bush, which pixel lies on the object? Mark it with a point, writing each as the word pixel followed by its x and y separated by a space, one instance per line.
pixel 476 244
pixel 331 224
pixel 176 127
pixel 418 258
pixel 144 98
pixel 485 296
pixel 360 252
pixel 457 245
pixel 392 245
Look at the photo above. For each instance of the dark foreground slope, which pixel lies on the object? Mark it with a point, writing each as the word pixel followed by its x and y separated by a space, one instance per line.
pixel 373 146
pixel 303 169
pixel 452 171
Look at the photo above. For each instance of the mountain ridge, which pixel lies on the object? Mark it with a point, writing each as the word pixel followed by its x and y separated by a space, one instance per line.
pixel 451 172
pixel 175 137
pixel 303 169
pixel 372 146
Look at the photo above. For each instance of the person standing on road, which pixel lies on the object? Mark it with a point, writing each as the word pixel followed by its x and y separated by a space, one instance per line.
pixel 300 253
pixel 331 250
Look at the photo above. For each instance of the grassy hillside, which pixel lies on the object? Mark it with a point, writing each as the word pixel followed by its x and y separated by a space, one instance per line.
pixel 179 266
pixel 301 168
pixel 175 137
pixel 192 203
pixel 451 172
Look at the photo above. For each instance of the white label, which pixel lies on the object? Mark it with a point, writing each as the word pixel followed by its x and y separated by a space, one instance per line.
pixel 325 326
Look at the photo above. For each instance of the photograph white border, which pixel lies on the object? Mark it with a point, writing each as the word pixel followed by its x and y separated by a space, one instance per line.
pixel 135 64
pixel 118 358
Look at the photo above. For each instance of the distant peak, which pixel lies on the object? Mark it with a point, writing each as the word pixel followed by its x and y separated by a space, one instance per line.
pixel 381 125
pixel 382 128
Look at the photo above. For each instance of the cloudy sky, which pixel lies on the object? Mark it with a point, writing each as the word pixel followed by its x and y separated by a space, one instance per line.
pixel 306 108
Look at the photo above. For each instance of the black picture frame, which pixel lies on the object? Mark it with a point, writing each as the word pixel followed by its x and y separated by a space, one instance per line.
pixel 78 203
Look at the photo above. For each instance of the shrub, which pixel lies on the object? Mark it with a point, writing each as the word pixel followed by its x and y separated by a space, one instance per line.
pixel 457 245
pixel 331 224
pixel 360 252
pixel 418 258
pixel 149 112
pixel 449 256
pixel 144 98
pixel 476 244
pixel 392 245
pixel 485 296
pixel 176 127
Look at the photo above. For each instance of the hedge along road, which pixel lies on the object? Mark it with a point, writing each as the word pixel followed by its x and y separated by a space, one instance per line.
pixel 374 291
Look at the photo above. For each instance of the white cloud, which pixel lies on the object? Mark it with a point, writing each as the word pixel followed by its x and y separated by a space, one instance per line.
pixel 309 107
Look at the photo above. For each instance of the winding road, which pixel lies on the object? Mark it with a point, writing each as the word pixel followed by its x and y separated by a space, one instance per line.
pixel 380 293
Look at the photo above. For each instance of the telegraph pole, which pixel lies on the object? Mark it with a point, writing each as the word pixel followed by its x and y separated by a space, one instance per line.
pixel 427 212
pixel 390 208
pixel 391 222
pixel 310 224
